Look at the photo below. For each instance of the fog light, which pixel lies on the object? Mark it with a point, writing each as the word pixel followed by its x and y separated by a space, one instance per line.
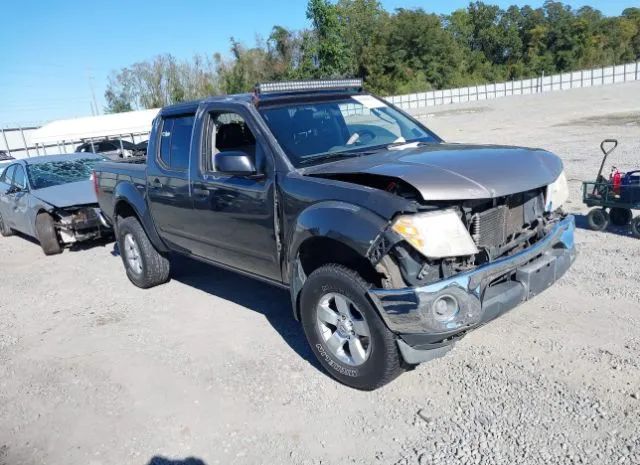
pixel 449 309
pixel 445 308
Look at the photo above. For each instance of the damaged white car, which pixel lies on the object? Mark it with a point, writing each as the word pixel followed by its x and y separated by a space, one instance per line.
pixel 52 199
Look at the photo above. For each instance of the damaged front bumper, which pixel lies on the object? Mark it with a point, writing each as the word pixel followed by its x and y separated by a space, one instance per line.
pixel 82 225
pixel 429 319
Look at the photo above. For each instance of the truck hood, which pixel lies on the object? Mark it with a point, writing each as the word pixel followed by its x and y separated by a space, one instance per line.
pixel 455 171
pixel 67 195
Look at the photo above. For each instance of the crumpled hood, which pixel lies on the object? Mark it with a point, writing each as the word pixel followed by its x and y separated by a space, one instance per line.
pixel 68 195
pixel 456 171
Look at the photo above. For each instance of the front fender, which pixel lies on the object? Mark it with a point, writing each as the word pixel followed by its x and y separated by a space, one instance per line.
pixel 128 193
pixel 350 224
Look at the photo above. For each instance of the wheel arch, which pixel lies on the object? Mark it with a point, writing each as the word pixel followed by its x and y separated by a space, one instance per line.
pixel 332 232
pixel 129 202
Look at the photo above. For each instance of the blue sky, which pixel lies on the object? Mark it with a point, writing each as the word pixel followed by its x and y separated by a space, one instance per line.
pixel 51 47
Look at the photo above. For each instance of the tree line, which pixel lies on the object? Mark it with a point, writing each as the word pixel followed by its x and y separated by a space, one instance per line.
pixel 407 50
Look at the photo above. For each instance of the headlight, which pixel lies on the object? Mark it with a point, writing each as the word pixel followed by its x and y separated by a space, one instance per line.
pixel 436 234
pixel 557 193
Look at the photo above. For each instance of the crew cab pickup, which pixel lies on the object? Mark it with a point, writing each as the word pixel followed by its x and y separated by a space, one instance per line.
pixel 393 243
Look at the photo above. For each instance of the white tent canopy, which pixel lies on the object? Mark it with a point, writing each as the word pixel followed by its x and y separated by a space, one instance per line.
pixel 95 127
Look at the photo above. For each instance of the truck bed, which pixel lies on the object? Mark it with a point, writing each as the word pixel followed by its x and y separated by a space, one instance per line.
pixel 111 173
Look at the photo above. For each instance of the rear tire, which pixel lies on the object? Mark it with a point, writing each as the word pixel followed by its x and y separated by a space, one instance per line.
pixel 47 234
pixel 358 350
pixel 620 216
pixel 598 219
pixel 5 230
pixel 635 226
pixel 145 266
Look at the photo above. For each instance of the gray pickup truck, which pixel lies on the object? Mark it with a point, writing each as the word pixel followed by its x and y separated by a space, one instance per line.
pixel 393 243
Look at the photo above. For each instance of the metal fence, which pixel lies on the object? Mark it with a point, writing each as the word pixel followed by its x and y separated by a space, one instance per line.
pixel 557 82
pixel 17 142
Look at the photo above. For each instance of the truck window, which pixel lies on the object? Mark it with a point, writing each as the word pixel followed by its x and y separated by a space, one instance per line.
pixel 175 141
pixel 305 130
pixel 230 133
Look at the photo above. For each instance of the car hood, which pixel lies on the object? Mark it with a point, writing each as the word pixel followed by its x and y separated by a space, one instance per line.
pixel 68 195
pixel 455 171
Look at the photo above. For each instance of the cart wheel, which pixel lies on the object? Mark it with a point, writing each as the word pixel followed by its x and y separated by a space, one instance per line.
pixel 620 216
pixel 598 219
pixel 635 226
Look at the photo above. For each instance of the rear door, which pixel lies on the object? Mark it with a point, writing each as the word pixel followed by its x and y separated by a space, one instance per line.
pixel 168 180
pixel 233 216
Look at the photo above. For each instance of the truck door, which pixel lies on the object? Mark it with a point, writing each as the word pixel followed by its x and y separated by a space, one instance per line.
pixel 233 216
pixel 168 180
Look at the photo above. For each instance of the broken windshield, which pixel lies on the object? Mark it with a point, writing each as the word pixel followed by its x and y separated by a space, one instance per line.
pixel 56 173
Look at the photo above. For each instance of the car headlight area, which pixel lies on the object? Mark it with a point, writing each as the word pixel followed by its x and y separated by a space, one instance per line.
pixel 436 234
pixel 557 193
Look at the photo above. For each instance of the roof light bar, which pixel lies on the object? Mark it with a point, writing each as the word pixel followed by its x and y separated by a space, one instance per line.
pixel 305 86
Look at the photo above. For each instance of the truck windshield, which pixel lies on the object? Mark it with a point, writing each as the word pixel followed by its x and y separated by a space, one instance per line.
pixel 56 173
pixel 312 131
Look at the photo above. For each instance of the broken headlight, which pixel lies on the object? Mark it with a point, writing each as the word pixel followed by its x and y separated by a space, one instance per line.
pixel 436 234
pixel 557 193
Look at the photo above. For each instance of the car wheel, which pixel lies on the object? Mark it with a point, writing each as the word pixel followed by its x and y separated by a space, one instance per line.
pixel 145 266
pixel 47 234
pixel 345 331
pixel 5 230
pixel 598 219
pixel 635 226
pixel 620 216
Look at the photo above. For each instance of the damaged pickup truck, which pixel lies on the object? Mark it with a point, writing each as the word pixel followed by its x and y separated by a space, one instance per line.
pixel 393 243
pixel 51 198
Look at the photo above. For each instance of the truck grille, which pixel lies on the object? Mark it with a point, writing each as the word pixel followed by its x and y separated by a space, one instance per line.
pixel 495 226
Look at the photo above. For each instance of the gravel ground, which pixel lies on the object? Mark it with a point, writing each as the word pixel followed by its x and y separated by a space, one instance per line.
pixel 211 368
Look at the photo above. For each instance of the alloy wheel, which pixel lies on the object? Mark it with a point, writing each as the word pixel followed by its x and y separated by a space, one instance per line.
pixel 343 329
pixel 132 254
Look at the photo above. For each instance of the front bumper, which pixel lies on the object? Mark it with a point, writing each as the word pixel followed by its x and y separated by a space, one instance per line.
pixel 83 225
pixel 482 294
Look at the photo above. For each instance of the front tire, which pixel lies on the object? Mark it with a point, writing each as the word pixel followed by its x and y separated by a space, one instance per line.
pixel 145 266
pixel 345 331
pixel 47 234
pixel 5 230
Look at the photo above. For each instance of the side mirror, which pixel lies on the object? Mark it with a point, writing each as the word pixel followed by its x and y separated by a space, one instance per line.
pixel 234 163
pixel 12 190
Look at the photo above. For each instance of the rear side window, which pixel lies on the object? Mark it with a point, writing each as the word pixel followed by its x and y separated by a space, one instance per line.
pixel 8 174
pixel 106 147
pixel 175 141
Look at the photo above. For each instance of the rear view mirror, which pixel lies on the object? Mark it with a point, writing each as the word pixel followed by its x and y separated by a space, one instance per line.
pixel 234 163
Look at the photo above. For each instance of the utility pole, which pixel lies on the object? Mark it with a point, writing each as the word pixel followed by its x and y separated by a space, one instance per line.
pixel 94 103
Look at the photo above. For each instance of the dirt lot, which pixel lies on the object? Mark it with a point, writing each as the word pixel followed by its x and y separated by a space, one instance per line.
pixel 94 371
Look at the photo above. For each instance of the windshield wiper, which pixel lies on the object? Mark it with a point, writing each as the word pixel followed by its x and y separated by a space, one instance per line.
pixel 331 155
pixel 408 144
